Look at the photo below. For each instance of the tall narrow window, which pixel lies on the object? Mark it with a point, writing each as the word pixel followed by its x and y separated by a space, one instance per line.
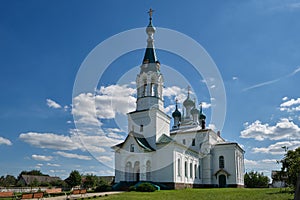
pixel 199 171
pixel 144 90
pixel 193 142
pixel 141 128
pixel 183 141
pixel 195 171
pixel 221 162
pixel 132 148
pixel 191 170
pixel 178 167
pixel 185 169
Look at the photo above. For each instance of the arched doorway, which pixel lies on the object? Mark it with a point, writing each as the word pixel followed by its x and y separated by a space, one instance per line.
pixel 128 171
pixel 222 180
pixel 136 171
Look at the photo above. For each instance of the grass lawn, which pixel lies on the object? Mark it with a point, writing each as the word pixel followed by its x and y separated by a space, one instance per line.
pixel 206 194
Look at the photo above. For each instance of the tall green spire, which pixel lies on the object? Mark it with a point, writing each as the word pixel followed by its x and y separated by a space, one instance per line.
pixel 150 55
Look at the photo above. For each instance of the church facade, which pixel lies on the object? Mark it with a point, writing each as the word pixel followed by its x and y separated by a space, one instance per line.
pixel 188 155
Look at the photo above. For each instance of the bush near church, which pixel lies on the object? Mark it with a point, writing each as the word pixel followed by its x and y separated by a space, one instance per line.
pixel 256 180
pixel 145 187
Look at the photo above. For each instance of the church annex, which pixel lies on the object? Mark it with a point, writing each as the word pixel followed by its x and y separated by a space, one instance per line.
pixel 188 155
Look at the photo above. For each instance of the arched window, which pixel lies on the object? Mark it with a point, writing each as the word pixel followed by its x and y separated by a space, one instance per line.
pixel 185 169
pixel 144 90
pixel 221 162
pixel 178 167
pixel 148 171
pixel 132 148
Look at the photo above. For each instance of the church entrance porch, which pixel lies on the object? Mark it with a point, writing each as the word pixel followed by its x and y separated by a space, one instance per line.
pixel 222 181
pixel 136 171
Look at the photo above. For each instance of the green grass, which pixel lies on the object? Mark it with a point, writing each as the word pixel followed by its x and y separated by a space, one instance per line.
pixel 206 194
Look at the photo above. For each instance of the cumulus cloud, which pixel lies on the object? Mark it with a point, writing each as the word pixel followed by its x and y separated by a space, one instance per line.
pixel 41 157
pixel 264 165
pixel 52 104
pixel 105 158
pixel 281 130
pixel 49 141
pixel 53 165
pixel 175 92
pixel 277 148
pixel 290 105
pixel 235 78
pixel 105 104
pixel 73 155
pixel 5 141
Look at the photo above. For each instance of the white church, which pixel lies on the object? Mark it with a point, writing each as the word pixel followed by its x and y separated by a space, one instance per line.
pixel 188 155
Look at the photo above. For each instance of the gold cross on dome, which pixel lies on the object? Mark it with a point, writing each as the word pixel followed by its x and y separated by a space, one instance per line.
pixel 150 12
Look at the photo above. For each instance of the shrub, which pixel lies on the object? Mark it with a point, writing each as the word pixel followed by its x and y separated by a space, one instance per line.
pixel 145 187
pixel 132 188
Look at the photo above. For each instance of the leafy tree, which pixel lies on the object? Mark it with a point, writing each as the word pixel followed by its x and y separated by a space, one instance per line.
pixel 90 181
pixel 7 181
pixel 256 180
pixel 290 166
pixel 74 179
pixel 102 186
pixel 34 183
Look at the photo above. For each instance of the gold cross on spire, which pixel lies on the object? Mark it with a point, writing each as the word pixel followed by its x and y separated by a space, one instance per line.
pixel 150 12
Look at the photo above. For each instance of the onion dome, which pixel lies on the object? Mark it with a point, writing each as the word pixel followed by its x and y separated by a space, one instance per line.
pixel 176 113
pixel 194 111
pixel 188 102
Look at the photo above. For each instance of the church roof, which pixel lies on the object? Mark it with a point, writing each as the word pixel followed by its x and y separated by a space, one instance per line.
pixel 222 171
pixel 164 139
pixel 142 141
pixel 139 138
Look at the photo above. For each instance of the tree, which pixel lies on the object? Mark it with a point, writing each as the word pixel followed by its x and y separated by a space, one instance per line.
pixel 74 179
pixel 256 180
pixel 290 166
pixel 90 181
pixel 7 181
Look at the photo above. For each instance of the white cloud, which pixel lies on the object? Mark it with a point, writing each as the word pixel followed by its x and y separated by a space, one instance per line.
pixel 88 108
pixel 73 155
pixel 205 105
pixel 276 149
pixel 49 140
pixel 291 105
pixel 235 78
pixel 41 157
pixel 104 158
pixel 53 104
pixel 5 141
pixel 282 130
pixel 175 92
pixel 285 98
pixel 53 165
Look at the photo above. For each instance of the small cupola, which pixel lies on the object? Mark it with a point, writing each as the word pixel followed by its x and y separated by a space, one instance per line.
pixel 202 117
pixel 177 117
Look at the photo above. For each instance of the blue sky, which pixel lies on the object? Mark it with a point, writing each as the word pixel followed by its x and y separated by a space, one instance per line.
pixel 255 45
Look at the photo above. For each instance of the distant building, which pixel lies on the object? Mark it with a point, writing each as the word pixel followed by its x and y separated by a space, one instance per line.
pixel 279 179
pixel 30 179
pixel 188 155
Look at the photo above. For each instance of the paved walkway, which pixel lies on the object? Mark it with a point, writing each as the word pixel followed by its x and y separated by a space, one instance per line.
pixel 78 196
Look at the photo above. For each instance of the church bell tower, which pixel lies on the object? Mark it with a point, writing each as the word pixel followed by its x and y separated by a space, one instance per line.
pixel 149 118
